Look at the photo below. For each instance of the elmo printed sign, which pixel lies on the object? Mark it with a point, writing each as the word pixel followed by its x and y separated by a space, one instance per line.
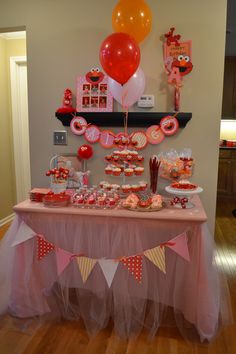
pixel 93 94
pixel 178 56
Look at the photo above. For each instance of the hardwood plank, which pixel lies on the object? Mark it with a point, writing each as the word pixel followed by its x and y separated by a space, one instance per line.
pixel 4 229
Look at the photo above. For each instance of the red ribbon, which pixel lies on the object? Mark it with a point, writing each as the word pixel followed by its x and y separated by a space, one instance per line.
pixel 167 244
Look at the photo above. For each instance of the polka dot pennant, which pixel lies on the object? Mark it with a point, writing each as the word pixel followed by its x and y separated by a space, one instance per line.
pixel 43 247
pixel 134 265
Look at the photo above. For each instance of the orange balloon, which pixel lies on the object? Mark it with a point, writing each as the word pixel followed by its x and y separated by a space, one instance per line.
pixel 133 17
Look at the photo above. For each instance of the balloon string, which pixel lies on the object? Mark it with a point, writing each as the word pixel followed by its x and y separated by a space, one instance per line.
pixel 126 122
pixel 176 113
pixel 125 112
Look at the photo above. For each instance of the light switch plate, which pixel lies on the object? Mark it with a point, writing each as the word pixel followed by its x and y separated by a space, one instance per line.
pixel 60 137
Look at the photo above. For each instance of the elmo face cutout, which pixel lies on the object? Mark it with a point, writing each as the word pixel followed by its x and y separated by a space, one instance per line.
pixel 94 76
pixel 183 63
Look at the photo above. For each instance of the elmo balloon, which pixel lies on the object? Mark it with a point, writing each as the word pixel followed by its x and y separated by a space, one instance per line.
pixel 85 152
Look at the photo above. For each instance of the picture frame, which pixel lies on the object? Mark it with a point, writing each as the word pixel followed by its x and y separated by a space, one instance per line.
pixel 93 97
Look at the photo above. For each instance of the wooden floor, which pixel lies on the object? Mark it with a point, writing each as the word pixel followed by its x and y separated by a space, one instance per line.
pixel 71 337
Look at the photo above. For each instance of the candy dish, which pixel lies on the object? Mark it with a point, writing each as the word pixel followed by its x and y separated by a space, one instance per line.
pixel 56 200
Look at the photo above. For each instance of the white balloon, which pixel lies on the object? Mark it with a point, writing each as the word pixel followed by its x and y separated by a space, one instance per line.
pixel 130 92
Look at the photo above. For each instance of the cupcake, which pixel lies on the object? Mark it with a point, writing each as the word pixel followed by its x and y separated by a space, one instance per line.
pixel 129 157
pixel 108 186
pixel 128 171
pixel 138 171
pixel 156 202
pixel 116 171
pixel 116 158
pixel 108 157
pixel 108 170
pixel 124 154
pixel 135 188
pixel 134 154
pixel 143 185
pixel 115 187
pixel 140 158
pixel 131 201
pixel 126 188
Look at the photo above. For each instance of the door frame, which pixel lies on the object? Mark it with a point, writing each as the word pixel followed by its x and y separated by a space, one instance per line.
pixel 22 179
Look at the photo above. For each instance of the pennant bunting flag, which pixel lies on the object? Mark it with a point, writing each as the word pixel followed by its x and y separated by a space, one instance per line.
pixel 134 265
pixel 180 246
pixel 63 259
pixel 157 256
pixel 24 233
pixel 43 247
pixel 85 266
pixel 109 267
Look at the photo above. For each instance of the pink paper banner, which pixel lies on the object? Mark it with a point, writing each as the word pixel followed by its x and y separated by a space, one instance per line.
pixel 63 259
pixel 180 246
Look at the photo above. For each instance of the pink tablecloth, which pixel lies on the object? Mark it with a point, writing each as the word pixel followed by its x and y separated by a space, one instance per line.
pixel 30 287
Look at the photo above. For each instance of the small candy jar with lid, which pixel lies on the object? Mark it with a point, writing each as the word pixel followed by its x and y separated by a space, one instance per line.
pixel 91 199
pixel 111 200
pixel 78 200
pixel 101 200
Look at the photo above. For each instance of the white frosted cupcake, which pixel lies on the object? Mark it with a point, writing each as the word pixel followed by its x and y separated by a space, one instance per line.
pixel 126 188
pixel 108 170
pixel 116 171
pixel 138 171
pixel 128 171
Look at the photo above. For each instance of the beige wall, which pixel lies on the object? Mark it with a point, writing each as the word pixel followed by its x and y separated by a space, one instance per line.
pixel 63 40
pixel 8 48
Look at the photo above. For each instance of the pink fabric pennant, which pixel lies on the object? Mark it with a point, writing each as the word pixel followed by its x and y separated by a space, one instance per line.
pixel 134 265
pixel 63 259
pixel 180 246
pixel 43 247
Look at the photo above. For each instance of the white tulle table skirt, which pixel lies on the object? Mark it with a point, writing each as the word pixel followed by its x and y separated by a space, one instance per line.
pixel 190 289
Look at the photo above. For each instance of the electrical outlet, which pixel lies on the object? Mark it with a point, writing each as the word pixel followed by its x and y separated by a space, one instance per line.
pixel 60 137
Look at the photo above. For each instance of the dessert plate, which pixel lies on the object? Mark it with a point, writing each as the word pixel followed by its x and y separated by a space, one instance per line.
pixel 183 192
pixel 148 209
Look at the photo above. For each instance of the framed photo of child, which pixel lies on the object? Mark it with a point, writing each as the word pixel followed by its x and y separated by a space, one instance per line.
pixel 92 92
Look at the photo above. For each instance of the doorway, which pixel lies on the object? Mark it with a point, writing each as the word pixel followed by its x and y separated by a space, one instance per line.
pixel 15 182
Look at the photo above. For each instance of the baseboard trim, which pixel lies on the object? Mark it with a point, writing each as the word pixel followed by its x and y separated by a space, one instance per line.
pixel 7 219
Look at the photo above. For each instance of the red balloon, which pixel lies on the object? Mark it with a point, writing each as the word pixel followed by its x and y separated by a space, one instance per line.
pixel 85 152
pixel 120 56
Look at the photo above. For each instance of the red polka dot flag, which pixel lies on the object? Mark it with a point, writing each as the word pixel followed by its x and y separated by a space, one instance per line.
pixel 43 247
pixel 134 265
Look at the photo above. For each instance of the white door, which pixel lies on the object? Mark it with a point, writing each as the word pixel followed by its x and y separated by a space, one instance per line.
pixel 19 96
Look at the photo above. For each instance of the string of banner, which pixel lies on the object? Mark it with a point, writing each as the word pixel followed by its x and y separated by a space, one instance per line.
pixel 133 263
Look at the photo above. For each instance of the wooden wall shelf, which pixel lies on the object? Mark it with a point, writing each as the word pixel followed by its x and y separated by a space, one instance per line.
pixel 116 119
